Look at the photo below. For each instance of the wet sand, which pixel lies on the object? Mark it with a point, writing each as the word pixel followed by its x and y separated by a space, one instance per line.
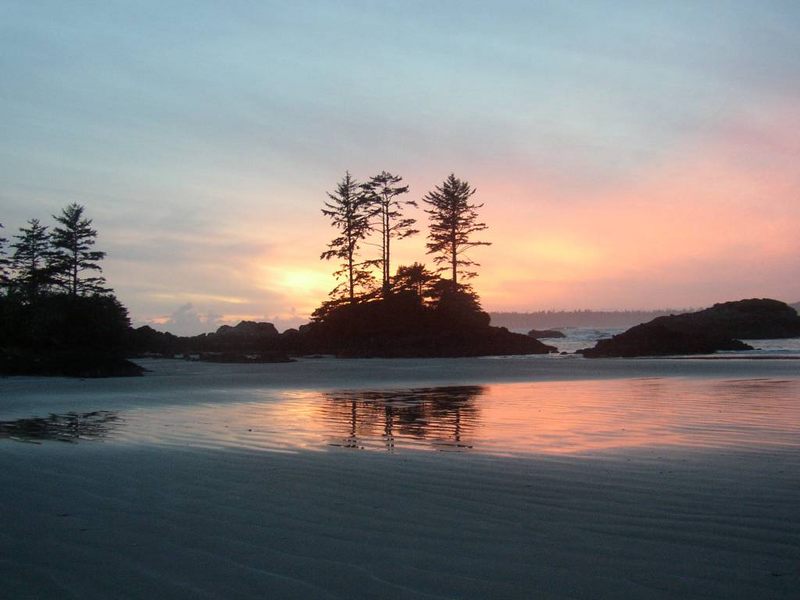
pixel 128 515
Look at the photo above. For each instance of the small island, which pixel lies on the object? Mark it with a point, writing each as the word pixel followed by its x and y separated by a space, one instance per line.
pixel 721 327
pixel 541 334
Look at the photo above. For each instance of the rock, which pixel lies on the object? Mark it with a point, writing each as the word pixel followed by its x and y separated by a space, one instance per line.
pixel 402 327
pixel 539 334
pixel 68 363
pixel 720 327
pixel 249 329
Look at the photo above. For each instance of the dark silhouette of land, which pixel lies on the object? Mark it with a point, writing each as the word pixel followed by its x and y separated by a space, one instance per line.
pixel 247 342
pixel 721 327
pixel 541 334
pixel 56 316
pixel 400 325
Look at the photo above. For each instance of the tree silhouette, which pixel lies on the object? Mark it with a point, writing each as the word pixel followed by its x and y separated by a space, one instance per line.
pixel 31 262
pixel 383 191
pixel 415 278
pixel 72 243
pixel 349 212
pixel 3 261
pixel 453 221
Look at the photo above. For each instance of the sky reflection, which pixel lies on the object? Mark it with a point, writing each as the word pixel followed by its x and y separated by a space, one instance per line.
pixel 561 418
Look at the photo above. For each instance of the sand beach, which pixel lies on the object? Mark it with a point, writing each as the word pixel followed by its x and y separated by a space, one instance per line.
pixel 469 478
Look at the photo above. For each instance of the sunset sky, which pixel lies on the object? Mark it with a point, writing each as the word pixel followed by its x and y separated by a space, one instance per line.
pixel 629 154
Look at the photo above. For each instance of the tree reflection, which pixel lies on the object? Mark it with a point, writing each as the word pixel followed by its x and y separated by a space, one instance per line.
pixel 444 417
pixel 70 427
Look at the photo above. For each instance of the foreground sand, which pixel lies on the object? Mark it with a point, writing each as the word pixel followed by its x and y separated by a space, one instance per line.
pixel 97 522
pixel 138 520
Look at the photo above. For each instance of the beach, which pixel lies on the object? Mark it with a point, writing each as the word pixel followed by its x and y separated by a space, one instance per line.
pixel 540 477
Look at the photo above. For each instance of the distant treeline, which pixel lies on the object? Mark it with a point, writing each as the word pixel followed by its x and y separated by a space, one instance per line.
pixel 549 319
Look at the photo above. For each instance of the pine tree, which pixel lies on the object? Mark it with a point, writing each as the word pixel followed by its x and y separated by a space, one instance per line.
pixel 383 191
pixel 3 261
pixel 453 221
pixel 415 278
pixel 72 243
pixel 31 263
pixel 349 212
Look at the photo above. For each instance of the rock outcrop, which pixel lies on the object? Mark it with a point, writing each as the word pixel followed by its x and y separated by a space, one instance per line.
pixel 721 327
pixel 540 334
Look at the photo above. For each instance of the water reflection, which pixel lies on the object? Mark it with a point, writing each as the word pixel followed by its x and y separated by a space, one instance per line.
pixel 558 417
pixel 70 427
pixel 443 417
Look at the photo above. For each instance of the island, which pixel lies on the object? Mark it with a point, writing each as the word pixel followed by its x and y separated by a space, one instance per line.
pixel 540 334
pixel 721 327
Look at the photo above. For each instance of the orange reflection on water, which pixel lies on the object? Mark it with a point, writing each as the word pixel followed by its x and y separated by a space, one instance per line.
pixel 569 417
pixel 563 417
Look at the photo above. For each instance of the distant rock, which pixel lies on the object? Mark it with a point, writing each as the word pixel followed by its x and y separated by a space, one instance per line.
pixel 248 337
pixel 539 334
pixel 249 329
pixel 720 327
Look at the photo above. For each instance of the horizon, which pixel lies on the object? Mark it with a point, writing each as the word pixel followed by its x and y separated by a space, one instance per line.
pixel 627 157
pixel 283 326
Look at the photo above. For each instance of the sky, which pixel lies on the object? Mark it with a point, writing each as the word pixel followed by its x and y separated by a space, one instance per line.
pixel 629 155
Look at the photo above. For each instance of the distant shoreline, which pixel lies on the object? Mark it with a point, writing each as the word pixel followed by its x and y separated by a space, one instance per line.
pixel 555 319
pixel 552 319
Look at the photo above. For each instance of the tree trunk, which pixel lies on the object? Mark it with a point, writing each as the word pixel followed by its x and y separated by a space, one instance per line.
pixel 455 262
pixel 386 236
pixel 350 279
pixel 74 277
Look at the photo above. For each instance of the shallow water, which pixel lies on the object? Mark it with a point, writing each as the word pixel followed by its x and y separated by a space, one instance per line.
pixel 507 419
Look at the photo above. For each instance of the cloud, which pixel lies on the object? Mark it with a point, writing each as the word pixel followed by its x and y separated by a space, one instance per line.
pixel 185 320
pixel 718 219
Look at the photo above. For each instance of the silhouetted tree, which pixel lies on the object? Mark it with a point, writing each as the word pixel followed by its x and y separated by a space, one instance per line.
pixel 453 221
pixel 349 212
pixel 3 262
pixel 457 305
pixel 383 191
pixel 415 278
pixel 72 242
pixel 31 263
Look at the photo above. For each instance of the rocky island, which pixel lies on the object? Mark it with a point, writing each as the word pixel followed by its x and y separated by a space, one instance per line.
pixel 400 325
pixel 721 327
pixel 541 334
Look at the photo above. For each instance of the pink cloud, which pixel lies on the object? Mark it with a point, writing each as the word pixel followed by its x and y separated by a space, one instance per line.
pixel 717 220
